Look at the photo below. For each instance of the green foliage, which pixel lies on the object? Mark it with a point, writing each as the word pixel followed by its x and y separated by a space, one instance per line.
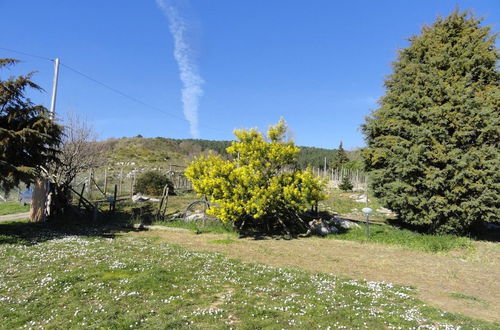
pixel 314 157
pixel 466 297
pixel 340 158
pixel 346 184
pixel 217 146
pixel 12 208
pixel 433 144
pixel 355 162
pixel 153 182
pixel 384 234
pixel 163 151
pixel 260 182
pixel 28 137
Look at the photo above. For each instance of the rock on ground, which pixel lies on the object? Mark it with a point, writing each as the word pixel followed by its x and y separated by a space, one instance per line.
pixel 343 223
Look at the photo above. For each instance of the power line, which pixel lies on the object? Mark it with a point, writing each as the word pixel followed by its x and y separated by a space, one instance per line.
pixel 27 54
pixel 132 98
pixel 120 92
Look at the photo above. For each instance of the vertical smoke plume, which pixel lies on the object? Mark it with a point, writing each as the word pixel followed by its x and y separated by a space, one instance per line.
pixel 189 76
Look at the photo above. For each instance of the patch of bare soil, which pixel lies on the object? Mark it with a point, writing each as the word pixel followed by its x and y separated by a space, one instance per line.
pixel 466 281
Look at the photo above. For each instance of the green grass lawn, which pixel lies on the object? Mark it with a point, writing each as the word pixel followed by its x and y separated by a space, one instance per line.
pixel 12 208
pixel 200 227
pixel 381 234
pixel 385 234
pixel 91 281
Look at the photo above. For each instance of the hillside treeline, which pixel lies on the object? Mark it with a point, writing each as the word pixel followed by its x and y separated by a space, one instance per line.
pixel 182 151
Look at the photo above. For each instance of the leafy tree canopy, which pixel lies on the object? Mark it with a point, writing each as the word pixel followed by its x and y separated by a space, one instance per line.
pixel 433 143
pixel 28 137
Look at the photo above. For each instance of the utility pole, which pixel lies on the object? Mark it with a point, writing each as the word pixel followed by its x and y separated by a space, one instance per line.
pixel 54 89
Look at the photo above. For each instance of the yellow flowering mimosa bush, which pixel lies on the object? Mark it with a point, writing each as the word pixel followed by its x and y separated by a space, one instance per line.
pixel 260 183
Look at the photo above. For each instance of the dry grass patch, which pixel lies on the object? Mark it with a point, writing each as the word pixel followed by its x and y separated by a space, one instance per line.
pixel 435 276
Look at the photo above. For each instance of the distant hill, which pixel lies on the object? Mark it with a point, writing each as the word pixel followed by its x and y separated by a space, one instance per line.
pixel 159 151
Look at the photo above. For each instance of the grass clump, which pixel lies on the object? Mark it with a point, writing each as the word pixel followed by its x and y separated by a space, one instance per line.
pixel 406 238
pixel 13 208
pixel 200 226
pixel 464 296
pixel 224 241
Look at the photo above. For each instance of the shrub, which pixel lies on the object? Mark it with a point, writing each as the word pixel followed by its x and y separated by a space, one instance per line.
pixel 152 183
pixel 433 143
pixel 261 184
pixel 346 184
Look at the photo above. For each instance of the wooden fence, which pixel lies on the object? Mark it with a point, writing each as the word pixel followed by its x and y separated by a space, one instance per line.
pixel 335 176
pixel 100 183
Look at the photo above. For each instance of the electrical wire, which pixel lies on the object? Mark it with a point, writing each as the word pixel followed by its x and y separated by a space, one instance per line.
pixel 27 54
pixel 132 98
pixel 119 92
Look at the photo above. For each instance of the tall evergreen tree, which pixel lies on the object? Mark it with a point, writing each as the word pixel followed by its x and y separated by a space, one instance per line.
pixel 340 158
pixel 433 145
pixel 28 137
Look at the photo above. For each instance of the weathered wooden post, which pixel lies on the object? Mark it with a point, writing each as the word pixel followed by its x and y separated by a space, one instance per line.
pixel 81 195
pixel 90 185
pixel 112 204
pixel 105 180
pixel 132 184
pixel 121 181
pixel 164 198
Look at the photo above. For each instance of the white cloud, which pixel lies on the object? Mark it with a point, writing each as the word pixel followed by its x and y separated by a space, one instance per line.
pixel 191 80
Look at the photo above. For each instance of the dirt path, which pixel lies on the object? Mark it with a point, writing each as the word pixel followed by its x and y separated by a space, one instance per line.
pixel 465 282
pixel 15 216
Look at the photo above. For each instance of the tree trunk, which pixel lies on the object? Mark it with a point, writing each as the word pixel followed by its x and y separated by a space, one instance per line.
pixel 38 200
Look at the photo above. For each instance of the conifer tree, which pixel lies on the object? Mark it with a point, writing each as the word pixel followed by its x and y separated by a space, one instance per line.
pixel 340 158
pixel 28 137
pixel 433 145
pixel 346 184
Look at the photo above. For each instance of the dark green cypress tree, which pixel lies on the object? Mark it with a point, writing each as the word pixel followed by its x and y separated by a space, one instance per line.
pixel 433 145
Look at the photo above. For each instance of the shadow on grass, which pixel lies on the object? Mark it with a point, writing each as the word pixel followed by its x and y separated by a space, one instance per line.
pixel 29 233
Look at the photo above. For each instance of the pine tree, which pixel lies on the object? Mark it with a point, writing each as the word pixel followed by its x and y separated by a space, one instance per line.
pixel 28 137
pixel 346 184
pixel 433 145
pixel 340 158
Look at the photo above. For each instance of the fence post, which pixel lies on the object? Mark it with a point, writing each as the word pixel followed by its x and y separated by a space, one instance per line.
pixel 132 183
pixel 105 180
pixel 112 205
pixel 90 185
pixel 120 182
pixel 81 195
pixel 324 169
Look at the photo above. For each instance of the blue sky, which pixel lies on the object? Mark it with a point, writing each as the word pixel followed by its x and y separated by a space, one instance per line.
pixel 320 64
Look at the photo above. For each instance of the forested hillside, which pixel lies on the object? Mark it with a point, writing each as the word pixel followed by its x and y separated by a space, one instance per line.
pixel 165 151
